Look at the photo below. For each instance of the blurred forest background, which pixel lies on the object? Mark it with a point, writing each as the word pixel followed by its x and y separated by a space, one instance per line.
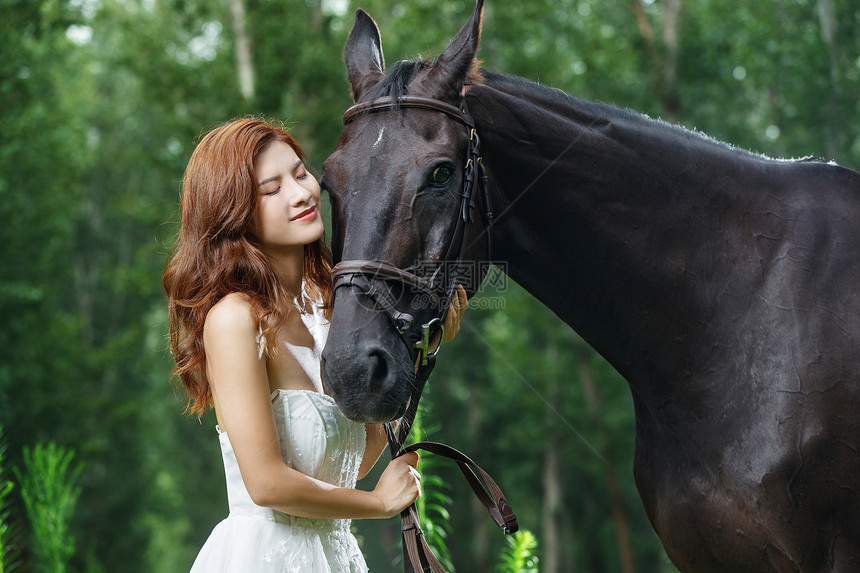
pixel 101 104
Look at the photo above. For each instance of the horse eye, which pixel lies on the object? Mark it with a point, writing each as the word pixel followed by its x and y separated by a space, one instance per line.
pixel 441 175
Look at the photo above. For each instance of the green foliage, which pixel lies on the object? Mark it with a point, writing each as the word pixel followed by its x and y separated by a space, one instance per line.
pixel 9 551
pixel 50 494
pixel 519 554
pixel 8 554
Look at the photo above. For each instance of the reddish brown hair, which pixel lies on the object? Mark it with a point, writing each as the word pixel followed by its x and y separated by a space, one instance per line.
pixel 215 255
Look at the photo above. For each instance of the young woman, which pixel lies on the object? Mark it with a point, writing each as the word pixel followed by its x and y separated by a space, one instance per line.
pixel 248 287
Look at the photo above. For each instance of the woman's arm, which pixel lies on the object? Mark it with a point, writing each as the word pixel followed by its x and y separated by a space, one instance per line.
pixel 240 387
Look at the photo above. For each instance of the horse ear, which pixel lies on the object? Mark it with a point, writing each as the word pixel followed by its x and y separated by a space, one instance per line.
pixel 456 62
pixel 365 64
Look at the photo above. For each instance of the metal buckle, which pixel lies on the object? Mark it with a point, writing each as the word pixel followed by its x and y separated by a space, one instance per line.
pixel 424 344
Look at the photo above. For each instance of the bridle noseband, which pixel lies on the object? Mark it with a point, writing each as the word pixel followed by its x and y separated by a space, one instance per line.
pixel 360 273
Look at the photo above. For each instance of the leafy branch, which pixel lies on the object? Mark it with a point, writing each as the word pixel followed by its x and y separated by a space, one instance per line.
pixel 9 552
pixel 50 495
pixel 519 554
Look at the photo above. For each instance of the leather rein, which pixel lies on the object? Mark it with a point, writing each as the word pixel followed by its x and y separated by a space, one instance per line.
pixel 417 555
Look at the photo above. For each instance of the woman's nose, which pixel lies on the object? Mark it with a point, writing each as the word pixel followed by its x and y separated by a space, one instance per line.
pixel 301 195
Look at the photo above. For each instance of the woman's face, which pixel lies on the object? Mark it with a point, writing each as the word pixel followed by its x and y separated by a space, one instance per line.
pixel 288 215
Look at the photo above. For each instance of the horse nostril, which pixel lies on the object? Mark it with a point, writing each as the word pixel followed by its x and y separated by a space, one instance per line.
pixel 381 378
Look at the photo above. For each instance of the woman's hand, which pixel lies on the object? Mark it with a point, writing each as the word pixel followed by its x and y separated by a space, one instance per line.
pixel 455 314
pixel 451 326
pixel 399 485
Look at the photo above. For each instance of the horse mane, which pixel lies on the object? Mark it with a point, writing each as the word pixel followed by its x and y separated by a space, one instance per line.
pixel 559 101
pixel 396 82
pixel 532 91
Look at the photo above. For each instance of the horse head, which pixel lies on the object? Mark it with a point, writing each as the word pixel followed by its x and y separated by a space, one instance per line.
pixel 402 231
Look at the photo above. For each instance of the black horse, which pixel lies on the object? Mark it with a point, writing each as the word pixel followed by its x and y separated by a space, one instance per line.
pixel 723 285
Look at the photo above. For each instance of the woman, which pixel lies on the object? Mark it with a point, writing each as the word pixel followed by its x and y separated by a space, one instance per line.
pixel 248 287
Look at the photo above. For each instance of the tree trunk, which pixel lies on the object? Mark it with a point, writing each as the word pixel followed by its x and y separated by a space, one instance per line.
pixel 552 479
pixel 835 130
pixel 669 80
pixel 317 18
pixel 619 513
pixel 552 488
pixel 665 64
pixel 244 61
pixel 479 513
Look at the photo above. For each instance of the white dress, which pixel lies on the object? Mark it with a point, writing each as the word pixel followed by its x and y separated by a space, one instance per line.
pixel 315 439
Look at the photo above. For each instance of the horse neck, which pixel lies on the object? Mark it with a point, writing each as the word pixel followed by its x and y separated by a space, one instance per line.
pixel 601 215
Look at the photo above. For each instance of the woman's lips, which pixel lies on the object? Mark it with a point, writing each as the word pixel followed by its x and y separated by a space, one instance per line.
pixel 308 215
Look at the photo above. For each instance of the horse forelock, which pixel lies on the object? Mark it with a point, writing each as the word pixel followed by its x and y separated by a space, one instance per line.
pixel 400 75
pixel 396 81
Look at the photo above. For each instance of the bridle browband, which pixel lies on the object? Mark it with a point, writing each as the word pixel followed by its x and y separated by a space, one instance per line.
pixel 418 102
pixel 417 555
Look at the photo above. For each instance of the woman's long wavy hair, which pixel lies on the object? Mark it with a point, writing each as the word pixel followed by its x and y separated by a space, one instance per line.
pixel 215 254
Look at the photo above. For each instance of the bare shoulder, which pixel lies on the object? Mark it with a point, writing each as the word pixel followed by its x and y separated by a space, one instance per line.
pixel 230 317
pixel 235 369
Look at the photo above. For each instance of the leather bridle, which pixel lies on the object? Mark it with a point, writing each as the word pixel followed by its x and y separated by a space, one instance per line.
pixel 361 274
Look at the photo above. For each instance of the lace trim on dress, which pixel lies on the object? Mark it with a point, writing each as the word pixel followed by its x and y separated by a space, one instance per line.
pixel 295 554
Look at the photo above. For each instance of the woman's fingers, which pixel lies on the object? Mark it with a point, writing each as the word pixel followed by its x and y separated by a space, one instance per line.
pixel 410 459
pixel 451 325
pixel 414 473
pixel 417 477
pixel 459 302
pixel 400 484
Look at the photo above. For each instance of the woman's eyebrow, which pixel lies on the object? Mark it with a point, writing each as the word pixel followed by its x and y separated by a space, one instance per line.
pixel 278 177
pixel 269 180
